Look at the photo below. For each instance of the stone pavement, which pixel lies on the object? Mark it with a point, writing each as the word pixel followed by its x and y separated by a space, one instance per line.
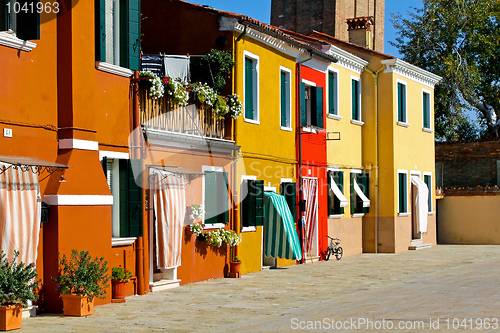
pixel 407 292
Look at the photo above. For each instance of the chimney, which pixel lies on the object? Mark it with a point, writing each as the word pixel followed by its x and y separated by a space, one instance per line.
pixel 360 32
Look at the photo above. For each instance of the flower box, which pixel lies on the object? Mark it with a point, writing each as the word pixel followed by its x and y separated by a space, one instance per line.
pixel 77 306
pixel 11 317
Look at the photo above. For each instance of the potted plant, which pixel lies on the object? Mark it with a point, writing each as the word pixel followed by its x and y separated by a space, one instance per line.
pixel 119 279
pixel 80 279
pixel 17 287
pixel 235 265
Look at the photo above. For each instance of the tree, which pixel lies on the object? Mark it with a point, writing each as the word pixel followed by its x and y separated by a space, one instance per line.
pixel 459 41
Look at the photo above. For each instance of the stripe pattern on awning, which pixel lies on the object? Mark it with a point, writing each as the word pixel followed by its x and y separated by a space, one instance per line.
pixel 361 195
pixel 280 236
pixel 338 193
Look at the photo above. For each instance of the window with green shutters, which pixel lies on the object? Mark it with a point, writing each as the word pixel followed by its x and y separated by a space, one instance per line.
pixel 251 88
pixel 401 102
pixel 311 106
pixel 356 203
pixel 285 99
pixel 216 197
pixel 403 192
pixel 355 100
pixel 333 93
pixel 289 191
pixel 17 16
pixel 334 202
pixel 117 39
pixel 252 206
pixel 426 110
pixel 428 182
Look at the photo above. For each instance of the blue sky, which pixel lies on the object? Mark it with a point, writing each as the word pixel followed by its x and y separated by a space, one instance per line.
pixel 261 10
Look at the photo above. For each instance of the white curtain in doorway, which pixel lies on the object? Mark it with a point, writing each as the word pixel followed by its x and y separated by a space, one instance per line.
pixel 421 206
pixel 309 193
pixel 169 200
pixel 20 210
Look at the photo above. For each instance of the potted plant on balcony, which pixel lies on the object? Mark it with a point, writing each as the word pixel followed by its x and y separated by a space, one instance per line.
pixel 80 279
pixel 17 287
pixel 119 279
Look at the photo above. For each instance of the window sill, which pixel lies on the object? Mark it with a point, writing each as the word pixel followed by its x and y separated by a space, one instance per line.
pixel 113 69
pixel 428 130
pixel 214 226
pixel 403 124
pixel 358 214
pixel 357 122
pixel 10 40
pixel 404 214
pixel 122 241
pixel 248 229
pixel 431 213
pixel 251 121
pixel 334 116
pixel 288 129
pixel 336 216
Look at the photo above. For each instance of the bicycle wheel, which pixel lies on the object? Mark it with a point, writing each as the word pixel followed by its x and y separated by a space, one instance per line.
pixel 339 253
pixel 328 253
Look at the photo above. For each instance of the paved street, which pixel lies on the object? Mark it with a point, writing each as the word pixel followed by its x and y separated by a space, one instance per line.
pixel 407 290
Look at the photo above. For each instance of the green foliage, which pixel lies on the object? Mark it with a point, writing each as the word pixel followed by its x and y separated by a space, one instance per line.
pixel 220 108
pixel 221 63
pixel 82 275
pixel 459 41
pixel 236 259
pixel 119 273
pixel 17 281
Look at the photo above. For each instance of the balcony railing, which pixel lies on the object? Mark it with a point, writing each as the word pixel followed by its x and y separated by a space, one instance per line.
pixel 195 118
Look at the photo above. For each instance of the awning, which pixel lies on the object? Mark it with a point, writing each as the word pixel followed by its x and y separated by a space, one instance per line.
pixel 280 236
pixel 338 193
pixel 174 170
pixel 421 206
pixel 361 195
pixel 32 164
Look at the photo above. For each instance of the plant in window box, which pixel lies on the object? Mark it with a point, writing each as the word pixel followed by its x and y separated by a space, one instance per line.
pixel 196 228
pixel 80 279
pixel 119 279
pixel 17 287
pixel 204 94
pixel 214 237
pixel 220 108
pixel 178 91
pixel 235 106
pixel 157 89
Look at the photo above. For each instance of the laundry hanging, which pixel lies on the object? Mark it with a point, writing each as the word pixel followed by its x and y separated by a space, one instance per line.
pixel 309 190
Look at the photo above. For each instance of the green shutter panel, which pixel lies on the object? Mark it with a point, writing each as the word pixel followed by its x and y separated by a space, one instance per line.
pixel 403 102
pixel 338 177
pixel 319 107
pixel 104 164
pixel 332 92
pixel 426 109
pixel 283 98
pixel 259 202
pixel 353 194
pixel 100 30
pixel 130 34
pixel 365 186
pixel 331 196
pixel 289 190
pixel 303 117
pixel 130 200
pixel 403 201
pixel 245 206
pixel 210 198
pixel 223 197
pixel 249 107
pixel 28 23
pixel 400 111
pixel 427 180
pixel 354 99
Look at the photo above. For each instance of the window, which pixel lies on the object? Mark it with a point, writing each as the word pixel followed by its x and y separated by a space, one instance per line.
pixel 251 91
pixel 336 199
pixel 426 109
pixel 311 105
pixel 333 93
pixel 401 102
pixel 428 182
pixel 17 18
pixel 118 32
pixel 360 204
pixel 127 197
pixel 285 99
pixel 355 99
pixel 216 197
pixel 252 206
pixel 289 191
pixel 402 191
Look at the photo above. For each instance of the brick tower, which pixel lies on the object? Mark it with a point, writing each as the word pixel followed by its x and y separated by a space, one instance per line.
pixel 330 17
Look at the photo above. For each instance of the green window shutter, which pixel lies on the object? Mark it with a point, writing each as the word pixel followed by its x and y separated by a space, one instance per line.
pixel 211 197
pixel 355 101
pixel 331 196
pixel 130 34
pixel 427 180
pixel 245 205
pixel 100 30
pixel 338 177
pixel 364 182
pixel 28 23
pixel 104 164
pixel 259 202
pixel 252 212
pixel 332 93
pixel 426 110
pixel 319 107
pixel 289 190
pixel 303 116
pixel 249 93
pixel 222 197
pixel 403 102
pixel 400 108
pixel 353 194
pixel 403 200
pixel 131 200
pixel 283 99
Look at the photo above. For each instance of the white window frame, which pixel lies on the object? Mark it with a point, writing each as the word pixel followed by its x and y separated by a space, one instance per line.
pixel 407 213
pixel 426 129
pixel 337 115
pixel 251 228
pixel 402 123
pixel 256 87
pixel 430 209
pixel 205 168
pixel 289 99
pixel 360 120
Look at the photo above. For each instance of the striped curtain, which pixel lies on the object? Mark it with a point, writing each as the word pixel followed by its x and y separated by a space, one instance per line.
pixel 280 236
pixel 20 210
pixel 309 189
pixel 169 202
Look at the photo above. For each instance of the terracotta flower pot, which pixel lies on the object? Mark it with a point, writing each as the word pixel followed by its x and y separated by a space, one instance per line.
pixel 234 267
pixel 11 317
pixel 119 289
pixel 78 306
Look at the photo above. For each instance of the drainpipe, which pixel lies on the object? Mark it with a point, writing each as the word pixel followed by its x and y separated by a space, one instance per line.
pixel 299 130
pixel 377 206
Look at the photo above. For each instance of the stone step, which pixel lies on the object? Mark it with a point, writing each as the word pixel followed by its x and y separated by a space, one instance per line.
pixel 420 247
pixel 165 284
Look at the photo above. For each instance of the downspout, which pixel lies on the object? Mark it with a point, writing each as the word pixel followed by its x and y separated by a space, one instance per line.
pixel 299 133
pixel 377 166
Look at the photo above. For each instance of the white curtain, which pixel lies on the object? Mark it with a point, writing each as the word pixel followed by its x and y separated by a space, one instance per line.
pixel 309 189
pixel 421 206
pixel 20 210
pixel 169 200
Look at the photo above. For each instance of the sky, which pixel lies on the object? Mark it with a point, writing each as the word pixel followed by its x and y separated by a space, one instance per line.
pixel 261 10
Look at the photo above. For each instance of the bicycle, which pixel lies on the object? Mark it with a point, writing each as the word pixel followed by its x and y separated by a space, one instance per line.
pixel 334 248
